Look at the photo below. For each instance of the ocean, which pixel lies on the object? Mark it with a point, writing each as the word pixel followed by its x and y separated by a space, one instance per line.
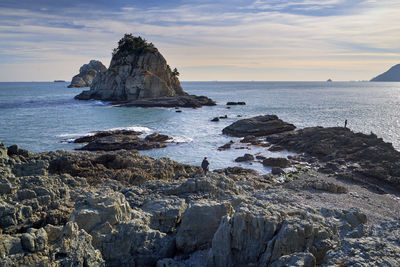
pixel 43 116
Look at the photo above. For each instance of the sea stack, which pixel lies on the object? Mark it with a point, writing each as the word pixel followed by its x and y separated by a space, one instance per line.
pixel 137 70
pixel 87 73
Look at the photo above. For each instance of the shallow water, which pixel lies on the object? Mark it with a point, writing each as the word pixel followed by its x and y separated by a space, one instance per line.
pixel 44 116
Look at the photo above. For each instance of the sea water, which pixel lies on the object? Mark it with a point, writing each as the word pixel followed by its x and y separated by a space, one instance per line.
pixel 44 116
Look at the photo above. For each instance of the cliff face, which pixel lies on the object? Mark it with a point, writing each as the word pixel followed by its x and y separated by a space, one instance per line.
pixel 87 73
pixel 392 75
pixel 137 71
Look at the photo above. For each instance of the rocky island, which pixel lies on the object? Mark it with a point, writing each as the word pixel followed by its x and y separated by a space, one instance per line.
pixel 87 73
pixel 338 206
pixel 392 75
pixel 140 76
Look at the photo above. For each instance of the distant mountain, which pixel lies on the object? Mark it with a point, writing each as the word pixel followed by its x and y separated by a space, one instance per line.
pixel 392 75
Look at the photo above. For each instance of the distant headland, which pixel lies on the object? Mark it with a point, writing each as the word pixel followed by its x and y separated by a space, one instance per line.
pixel 392 75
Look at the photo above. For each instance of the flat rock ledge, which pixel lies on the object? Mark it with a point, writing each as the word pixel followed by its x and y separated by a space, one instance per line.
pixel 122 139
pixel 258 126
pixel 186 101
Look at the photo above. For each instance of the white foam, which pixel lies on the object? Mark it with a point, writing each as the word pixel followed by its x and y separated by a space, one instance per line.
pixel 144 130
pixel 181 139
pixel 69 136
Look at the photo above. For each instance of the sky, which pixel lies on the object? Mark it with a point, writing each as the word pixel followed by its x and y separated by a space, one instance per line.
pixel 235 40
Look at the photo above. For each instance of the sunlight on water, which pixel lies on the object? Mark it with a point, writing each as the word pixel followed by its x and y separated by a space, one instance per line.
pixel 44 116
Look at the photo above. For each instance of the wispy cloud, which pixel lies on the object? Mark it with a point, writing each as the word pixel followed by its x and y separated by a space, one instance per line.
pixel 264 40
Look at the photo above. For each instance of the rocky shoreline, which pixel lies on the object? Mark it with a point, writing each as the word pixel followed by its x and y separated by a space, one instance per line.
pixel 122 139
pixel 121 208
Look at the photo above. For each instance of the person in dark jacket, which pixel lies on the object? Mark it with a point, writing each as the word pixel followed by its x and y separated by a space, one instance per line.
pixel 205 165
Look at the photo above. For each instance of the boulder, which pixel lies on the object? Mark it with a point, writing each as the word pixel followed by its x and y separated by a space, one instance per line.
pixel 258 126
pixel 276 162
pixel 245 157
pixel 87 73
pixel 199 223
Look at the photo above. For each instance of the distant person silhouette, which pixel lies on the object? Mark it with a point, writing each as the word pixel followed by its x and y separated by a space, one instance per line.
pixel 345 124
pixel 205 165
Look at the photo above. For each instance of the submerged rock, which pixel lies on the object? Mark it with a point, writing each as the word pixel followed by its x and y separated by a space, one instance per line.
pixel 87 73
pixel 258 126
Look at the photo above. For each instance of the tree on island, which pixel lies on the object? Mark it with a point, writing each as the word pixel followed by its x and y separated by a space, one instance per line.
pixel 175 72
pixel 132 44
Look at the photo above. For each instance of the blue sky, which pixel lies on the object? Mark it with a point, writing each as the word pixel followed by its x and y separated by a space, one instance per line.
pixel 206 40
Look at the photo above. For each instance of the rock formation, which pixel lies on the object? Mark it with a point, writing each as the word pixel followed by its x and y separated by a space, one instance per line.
pixel 258 126
pixel 122 139
pixel 87 73
pixel 392 75
pixel 138 71
pixel 121 208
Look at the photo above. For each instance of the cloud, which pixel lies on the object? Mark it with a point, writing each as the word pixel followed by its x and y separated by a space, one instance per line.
pixel 269 36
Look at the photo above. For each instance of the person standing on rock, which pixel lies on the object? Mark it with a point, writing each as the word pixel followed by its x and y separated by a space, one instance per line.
pixel 345 124
pixel 205 165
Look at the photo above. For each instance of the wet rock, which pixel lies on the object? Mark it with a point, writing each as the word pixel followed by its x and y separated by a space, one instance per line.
pixel 276 162
pixel 245 157
pixel 235 103
pixel 275 148
pixel 186 101
pixel 226 146
pixel 156 137
pixel 215 119
pixel 122 139
pixel 277 171
pixel 258 126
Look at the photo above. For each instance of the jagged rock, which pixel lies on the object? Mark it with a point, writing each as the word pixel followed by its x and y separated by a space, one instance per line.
pixel 246 157
pixel 165 213
pixel 373 157
pixel 253 236
pixel 49 246
pixel 87 73
pixel 300 259
pixel 139 74
pixel 199 223
pixel 101 208
pixel 258 126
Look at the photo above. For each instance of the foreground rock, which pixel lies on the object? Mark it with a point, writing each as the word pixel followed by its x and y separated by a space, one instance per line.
pixel 122 139
pixel 258 126
pixel 138 71
pixel 123 209
pixel 87 73
pixel 352 155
